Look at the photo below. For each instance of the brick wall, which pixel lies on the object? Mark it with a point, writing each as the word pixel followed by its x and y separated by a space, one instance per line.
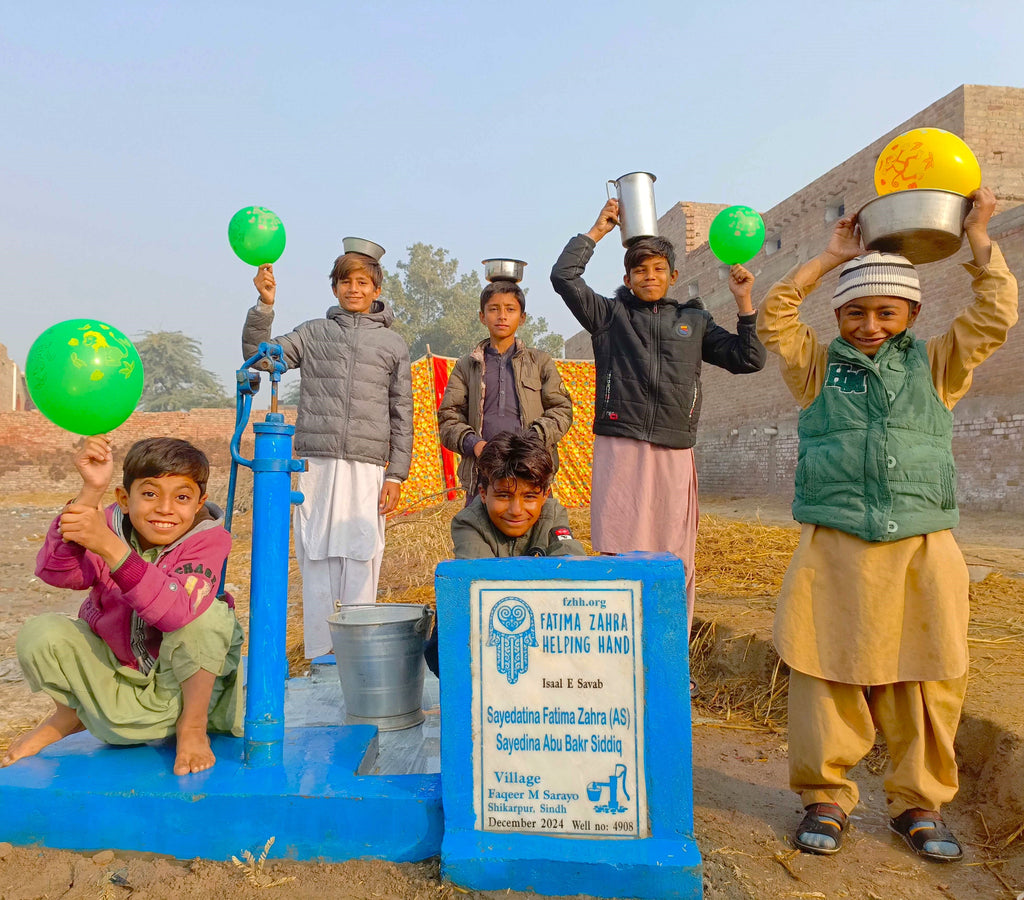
pixel 35 455
pixel 13 394
pixel 687 224
pixel 747 443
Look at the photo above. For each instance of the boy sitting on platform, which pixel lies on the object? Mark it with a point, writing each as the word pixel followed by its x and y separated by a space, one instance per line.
pixel 513 513
pixel 154 651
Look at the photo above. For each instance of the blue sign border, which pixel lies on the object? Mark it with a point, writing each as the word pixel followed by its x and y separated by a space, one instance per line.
pixel 666 864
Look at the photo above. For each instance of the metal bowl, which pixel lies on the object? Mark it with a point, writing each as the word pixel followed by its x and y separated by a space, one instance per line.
pixel 362 245
pixel 922 225
pixel 503 269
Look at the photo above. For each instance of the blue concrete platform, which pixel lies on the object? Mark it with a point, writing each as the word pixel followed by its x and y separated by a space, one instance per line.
pixel 326 801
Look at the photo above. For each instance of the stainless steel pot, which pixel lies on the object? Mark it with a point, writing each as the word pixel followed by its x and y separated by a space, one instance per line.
pixel 923 225
pixel 503 269
pixel 637 216
pixel 362 245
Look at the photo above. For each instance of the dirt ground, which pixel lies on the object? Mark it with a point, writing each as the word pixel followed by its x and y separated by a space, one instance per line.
pixel 743 810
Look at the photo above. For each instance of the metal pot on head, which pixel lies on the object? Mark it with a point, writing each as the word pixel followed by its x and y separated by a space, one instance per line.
pixel 503 269
pixel 637 216
pixel 362 245
pixel 924 225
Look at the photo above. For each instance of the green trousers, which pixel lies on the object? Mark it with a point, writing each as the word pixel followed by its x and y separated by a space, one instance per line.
pixel 120 705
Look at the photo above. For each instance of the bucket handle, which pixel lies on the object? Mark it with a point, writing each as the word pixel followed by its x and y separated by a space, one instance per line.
pixel 423 625
pixel 608 192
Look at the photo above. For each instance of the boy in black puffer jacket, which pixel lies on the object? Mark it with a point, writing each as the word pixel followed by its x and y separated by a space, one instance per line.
pixel 648 351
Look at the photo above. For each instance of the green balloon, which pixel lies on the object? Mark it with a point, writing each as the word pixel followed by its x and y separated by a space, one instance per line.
pixel 256 235
pixel 736 234
pixel 84 376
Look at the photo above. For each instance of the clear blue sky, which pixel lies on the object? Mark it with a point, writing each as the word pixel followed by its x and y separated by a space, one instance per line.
pixel 133 131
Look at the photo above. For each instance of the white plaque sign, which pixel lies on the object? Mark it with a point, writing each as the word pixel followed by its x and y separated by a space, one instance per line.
pixel 558 708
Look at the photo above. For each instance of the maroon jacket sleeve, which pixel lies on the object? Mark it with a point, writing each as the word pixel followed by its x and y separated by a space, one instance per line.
pixel 181 586
pixel 65 565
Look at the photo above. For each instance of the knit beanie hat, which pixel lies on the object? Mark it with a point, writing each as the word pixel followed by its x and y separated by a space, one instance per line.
pixel 877 275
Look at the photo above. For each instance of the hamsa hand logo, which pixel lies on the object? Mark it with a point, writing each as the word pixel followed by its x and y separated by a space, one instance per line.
pixel 512 633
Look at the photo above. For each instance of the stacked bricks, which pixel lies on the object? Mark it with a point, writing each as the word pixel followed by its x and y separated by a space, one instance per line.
pixel 13 394
pixel 35 455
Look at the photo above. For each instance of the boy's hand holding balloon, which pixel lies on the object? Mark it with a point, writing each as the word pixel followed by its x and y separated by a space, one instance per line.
pixel 95 463
pixel 741 283
pixel 265 283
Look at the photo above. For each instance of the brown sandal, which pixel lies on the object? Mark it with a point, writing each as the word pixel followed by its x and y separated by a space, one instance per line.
pixel 927 835
pixel 821 829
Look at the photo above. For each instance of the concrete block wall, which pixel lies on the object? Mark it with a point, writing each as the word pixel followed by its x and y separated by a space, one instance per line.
pixel 579 346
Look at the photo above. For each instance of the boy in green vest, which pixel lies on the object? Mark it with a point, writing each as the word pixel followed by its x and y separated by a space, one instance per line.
pixel 872 616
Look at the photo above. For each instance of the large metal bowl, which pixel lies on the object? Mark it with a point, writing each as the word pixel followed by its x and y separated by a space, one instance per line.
pixel 362 245
pixel 922 225
pixel 503 269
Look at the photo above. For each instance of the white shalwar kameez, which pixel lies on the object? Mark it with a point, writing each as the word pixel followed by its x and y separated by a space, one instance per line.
pixel 339 542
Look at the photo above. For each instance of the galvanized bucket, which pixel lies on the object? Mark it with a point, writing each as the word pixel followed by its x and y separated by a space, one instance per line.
pixel 379 653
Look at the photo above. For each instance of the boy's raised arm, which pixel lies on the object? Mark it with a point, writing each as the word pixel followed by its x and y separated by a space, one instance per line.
pixel 740 353
pixel 980 329
pixel 590 309
pixel 82 524
pixel 778 321
pixel 983 205
pixel 260 318
pixel 83 521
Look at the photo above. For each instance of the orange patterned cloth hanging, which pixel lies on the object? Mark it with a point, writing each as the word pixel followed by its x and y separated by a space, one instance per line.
pixel 432 473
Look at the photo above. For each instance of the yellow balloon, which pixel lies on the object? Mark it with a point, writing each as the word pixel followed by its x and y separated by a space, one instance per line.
pixel 927 158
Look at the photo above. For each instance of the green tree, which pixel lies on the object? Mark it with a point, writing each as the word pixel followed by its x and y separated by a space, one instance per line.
pixel 174 375
pixel 436 307
pixel 288 394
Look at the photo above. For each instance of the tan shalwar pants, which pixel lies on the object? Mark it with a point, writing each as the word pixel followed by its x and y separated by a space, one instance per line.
pixel 832 727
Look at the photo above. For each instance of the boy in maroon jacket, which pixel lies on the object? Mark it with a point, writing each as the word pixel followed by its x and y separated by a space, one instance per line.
pixel 154 651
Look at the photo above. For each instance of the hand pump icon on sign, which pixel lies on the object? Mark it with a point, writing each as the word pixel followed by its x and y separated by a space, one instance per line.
pixel 615 782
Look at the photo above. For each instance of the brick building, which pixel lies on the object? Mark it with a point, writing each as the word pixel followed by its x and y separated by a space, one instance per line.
pixel 747 444
pixel 13 393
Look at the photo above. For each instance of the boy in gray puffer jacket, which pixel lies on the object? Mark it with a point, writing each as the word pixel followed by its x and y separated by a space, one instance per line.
pixel 354 426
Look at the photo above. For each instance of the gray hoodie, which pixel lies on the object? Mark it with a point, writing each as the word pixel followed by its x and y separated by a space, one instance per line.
pixel 355 397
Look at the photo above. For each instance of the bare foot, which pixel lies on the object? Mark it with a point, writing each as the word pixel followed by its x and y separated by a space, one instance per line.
pixel 194 753
pixel 61 722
